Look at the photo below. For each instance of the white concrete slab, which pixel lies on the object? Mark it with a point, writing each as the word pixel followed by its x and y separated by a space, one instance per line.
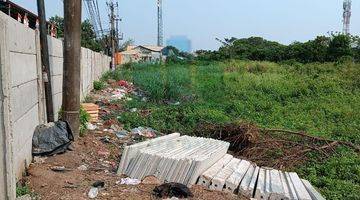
pixel 315 195
pixel 232 183
pixel 208 159
pixel 218 181
pixel 208 175
pixel 291 188
pixel 276 186
pixel 247 185
pixel 262 187
pixel 300 189
pixel 285 185
pixel 130 152
pixel 23 68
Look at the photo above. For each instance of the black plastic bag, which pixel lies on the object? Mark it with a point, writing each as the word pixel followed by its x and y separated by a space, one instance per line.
pixel 172 190
pixel 52 138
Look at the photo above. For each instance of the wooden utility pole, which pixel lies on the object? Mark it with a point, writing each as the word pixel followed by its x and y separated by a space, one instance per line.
pixel 72 54
pixel 45 60
pixel 112 33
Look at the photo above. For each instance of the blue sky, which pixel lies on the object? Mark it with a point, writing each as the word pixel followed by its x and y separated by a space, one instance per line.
pixel 284 21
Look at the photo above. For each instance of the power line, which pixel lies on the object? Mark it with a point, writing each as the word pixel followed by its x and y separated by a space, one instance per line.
pixel 92 8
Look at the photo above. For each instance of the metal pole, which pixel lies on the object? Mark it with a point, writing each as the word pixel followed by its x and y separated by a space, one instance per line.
pixel 112 21
pixel 72 53
pixel 45 61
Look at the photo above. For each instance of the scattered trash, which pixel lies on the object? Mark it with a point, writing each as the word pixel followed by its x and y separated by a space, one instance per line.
pixel 71 147
pixel 104 153
pixel 108 123
pixel 129 99
pixel 39 160
pixel 52 138
pixel 98 184
pixel 145 132
pixel 83 167
pixel 128 181
pixel 111 81
pixel 106 140
pixel 59 169
pixel 144 99
pixel 173 103
pixel 151 180
pixel 118 94
pixel 70 185
pixel 24 197
pixel 122 134
pixel 172 198
pixel 94 191
pixel 133 110
pixel 123 83
pixel 91 127
pixel 172 190
pixel 116 127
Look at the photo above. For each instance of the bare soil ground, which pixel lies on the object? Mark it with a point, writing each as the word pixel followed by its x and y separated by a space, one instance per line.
pixel 102 160
pixel 100 151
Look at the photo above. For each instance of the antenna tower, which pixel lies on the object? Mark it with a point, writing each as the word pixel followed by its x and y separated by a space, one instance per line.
pixel 160 41
pixel 346 16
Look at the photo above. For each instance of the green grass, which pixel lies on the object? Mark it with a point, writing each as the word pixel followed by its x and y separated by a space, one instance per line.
pixel 322 99
pixel 99 85
pixel 22 190
pixel 84 119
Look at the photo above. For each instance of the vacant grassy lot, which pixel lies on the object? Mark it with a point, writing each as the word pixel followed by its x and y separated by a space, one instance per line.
pixel 321 99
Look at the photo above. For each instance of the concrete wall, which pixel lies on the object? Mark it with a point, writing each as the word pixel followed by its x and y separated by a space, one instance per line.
pixel 7 178
pixel 22 97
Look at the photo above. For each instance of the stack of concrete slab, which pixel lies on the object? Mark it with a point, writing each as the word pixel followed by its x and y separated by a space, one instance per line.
pixel 248 180
pixel 172 158
pixel 130 152
pixel 191 160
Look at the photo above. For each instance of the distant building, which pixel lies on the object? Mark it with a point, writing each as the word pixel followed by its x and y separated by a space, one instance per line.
pixel 142 53
pixel 180 42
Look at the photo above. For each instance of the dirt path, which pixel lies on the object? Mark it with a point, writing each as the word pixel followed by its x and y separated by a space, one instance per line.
pixel 94 158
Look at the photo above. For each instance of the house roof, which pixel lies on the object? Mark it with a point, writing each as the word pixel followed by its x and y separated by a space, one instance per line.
pixel 152 48
pixel 129 52
pixel 148 47
pixel 130 47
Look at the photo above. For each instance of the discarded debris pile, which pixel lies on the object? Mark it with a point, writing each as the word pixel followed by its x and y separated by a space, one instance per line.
pixel 240 135
pixel 286 149
pixel 172 158
pixel 190 160
pixel 250 181
pixel 271 147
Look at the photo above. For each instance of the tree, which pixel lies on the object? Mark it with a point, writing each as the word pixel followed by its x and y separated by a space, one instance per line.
pixel 321 49
pixel 340 45
pixel 310 51
pixel 356 47
pixel 124 45
pixel 88 36
pixel 59 23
